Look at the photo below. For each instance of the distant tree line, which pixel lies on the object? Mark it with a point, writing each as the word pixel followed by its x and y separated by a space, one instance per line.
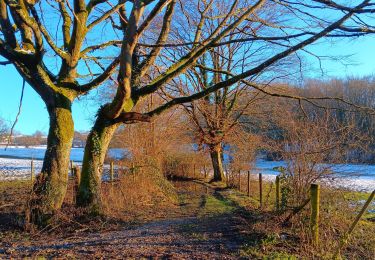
pixel 351 105
pixel 35 139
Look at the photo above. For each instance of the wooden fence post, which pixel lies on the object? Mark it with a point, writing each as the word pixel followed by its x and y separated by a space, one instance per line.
pixel 77 175
pixel 248 183
pixel 277 193
pixel 260 190
pixel 111 171
pixel 32 171
pixel 72 168
pixel 314 219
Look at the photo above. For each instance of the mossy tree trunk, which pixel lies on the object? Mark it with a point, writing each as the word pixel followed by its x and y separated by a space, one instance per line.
pixel 216 153
pixel 89 192
pixel 51 184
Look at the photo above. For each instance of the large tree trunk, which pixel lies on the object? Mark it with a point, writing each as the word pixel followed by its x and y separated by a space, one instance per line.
pixel 51 185
pixel 89 192
pixel 217 163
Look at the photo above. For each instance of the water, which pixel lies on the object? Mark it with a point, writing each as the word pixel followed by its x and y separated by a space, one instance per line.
pixel 37 153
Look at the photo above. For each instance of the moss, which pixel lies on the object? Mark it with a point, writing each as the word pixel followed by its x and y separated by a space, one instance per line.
pixel 89 194
pixel 50 189
pixel 128 105
pixel 96 144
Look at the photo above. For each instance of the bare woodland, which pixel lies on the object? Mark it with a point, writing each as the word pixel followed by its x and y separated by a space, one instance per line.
pixel 172 73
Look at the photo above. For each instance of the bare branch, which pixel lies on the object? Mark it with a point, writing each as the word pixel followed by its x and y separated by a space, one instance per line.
pixel 144 66
pixel 155 11
pixel 106 74
pixel 253 71
pixel 18 114
pixel 4 63
pixel 190 58
pixel 105 16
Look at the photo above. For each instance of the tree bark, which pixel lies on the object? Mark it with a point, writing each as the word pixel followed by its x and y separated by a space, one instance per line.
pixel 50 187
pixel 217 163
pixel 89 192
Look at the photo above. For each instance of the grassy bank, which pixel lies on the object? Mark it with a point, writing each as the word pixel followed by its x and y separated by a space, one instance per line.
pixel 270 237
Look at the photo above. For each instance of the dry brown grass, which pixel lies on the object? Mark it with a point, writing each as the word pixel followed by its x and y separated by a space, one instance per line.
pixel 134 195
pixel 338 210
pixel 143 197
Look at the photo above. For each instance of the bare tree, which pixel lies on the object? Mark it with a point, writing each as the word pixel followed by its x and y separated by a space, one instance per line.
pixel 216 119
pixel 358 91
pixel 4 130
pixel 310 146
pixel 63 67
pixel 51 57
pixel 146 68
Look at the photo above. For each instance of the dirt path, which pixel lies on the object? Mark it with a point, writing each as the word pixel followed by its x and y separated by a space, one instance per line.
pixel 205 226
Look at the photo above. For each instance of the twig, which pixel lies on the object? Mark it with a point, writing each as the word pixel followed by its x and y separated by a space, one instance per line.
pixel 345 238
pixel 4 63
pixel 6 205
pixel 295 211
pixel 18 114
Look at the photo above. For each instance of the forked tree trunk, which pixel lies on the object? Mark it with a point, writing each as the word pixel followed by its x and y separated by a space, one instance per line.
pixel 51 185
pixel 217 163
pixel 89 192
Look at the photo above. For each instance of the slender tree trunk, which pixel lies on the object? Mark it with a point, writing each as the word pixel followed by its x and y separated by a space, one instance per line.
pixel 89 192
pixel 51 185
pixel 217 163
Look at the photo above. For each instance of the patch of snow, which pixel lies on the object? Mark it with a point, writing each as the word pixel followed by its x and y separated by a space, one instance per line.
pixel 16 169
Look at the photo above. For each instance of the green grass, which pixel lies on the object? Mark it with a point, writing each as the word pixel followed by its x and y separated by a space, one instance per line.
pixel 14 184
pixel 215 206
pixel 356 195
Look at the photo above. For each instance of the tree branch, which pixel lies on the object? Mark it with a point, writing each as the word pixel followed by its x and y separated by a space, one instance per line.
pixel 131 36
pixel 101 78
pixel 255 70
pixel 155 11
pixel 191 57
pixel 131 117
pixel 18 114
pixel 144 66
pixel 46 35
pixel 106 15
pixel 67 23
pixel 4 63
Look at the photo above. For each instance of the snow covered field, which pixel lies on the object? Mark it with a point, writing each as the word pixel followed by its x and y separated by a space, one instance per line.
pixel 359 177
pixel 351 183
pixel 17 163
pixel 12 169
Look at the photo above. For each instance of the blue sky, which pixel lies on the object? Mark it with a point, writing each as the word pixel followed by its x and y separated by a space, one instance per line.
pixel 35 117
